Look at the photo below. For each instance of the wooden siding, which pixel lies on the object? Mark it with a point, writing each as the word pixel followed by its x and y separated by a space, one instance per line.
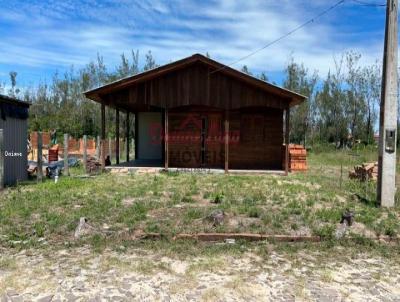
pixel 256 138
pixel 193 85
pixel 260 139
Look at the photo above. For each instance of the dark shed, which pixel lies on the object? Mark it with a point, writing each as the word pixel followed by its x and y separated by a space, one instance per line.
pixel 199 113
pixel 14 123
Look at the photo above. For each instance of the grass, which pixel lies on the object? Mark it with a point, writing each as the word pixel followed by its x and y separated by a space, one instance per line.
pixel 170 203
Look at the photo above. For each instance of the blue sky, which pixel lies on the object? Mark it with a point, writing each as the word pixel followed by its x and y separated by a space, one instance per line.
pixel 40 37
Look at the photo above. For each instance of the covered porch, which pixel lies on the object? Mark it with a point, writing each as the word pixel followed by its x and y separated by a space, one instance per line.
pixel 191 114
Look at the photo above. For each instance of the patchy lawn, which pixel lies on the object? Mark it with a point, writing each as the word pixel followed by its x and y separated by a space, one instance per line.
pixel 170 203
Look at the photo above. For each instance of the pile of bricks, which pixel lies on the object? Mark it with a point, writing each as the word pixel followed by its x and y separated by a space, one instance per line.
pixel 297 158
pixel 366 171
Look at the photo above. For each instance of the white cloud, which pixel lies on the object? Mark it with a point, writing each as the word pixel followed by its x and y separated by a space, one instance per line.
pixel 58 34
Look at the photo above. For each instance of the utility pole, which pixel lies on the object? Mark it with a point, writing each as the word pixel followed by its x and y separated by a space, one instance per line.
pixel 388 112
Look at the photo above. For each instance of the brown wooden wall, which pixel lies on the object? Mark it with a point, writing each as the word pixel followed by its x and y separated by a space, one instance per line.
pixel 193 85
pixel 256 137
pixel 261 138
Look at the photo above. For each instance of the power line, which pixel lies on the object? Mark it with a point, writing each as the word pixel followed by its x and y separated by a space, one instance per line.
pixel 363 3
pixel 284 36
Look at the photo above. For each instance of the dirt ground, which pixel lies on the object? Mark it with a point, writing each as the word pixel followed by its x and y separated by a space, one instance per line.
pixel 79 274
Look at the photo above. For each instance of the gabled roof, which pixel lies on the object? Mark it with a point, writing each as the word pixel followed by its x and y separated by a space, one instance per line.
pixel 95 94
pixel 13 101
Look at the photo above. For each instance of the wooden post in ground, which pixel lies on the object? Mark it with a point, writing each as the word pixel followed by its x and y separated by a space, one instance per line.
pixel 127 136
pixel 1 159
pixel 287 135
pixel 117 136
pixel 66 168
pixel 110 148
pixel 98 147
pixel 386 186
pixel 166 140
pixel 226 141
pixel 39 171
pixel 103 137
pixel 85 151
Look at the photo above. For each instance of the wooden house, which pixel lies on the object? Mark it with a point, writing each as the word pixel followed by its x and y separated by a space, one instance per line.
pixel 198 113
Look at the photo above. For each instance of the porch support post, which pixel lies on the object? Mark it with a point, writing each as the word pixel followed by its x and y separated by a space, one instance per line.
pixel 117 136
pixel 166 139
pixel 226 141
pixel 127 136
pixel 103 136
pixel 287 116
pixel 136 135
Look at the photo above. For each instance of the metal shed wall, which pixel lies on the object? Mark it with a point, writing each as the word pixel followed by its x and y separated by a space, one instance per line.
pixel 15 140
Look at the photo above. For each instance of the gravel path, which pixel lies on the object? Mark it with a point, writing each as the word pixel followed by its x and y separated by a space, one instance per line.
pixel 78 274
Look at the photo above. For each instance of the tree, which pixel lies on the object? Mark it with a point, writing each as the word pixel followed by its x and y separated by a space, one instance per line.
pixel 13 91
pixel 245 70
pixel 298 80
pixel 150 62
pixel 263 77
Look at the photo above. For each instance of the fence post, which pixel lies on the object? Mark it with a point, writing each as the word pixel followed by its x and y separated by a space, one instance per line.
pixel 66 169
pixel 39 157
pixel 85 151
pixel 1 159
pixel 110 148
pixel 98 147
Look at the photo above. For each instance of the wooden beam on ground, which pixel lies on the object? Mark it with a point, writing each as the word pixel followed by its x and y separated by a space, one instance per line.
pixel 127 136
pixel 66 168
pixel 166 139
pixel 287 133
pixel 226 141
pixel 103 136
pixel 117 136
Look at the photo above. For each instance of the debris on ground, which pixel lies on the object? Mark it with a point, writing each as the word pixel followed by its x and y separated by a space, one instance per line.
pixel 365 171
pixel 347 217
pixel 93 165
pixel 83 228
pixel 216 217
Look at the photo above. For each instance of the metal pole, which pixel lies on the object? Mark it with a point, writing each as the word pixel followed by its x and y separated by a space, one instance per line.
pixel 386 186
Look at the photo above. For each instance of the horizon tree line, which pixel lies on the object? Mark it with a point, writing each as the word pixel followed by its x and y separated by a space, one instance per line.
pixel 342 108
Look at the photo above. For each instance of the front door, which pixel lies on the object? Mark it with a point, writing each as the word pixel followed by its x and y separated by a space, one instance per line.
pixel 196 140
